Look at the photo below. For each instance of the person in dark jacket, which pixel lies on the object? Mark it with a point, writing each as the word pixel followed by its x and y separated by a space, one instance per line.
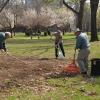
pixel 3 37
pixel 58 43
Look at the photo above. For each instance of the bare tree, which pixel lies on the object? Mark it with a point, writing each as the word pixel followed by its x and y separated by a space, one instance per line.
pixel 29 20
pixel 94 7
pixel 64 19
pixel 7 19
pixel 3 3
pixel 87 18
pixel 79 13
pixel 16 9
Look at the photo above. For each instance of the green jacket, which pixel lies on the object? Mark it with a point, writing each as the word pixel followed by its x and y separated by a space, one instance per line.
pixel 2 37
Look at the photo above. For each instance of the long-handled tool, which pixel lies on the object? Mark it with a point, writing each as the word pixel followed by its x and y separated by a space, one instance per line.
pixel 74 59
pixel 72 68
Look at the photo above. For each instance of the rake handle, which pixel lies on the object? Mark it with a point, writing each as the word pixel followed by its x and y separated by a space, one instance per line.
pixel 74 56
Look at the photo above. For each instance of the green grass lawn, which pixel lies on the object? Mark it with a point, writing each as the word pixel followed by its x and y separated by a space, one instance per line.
pixel 20 45
pixel 75 88
pixel 43 47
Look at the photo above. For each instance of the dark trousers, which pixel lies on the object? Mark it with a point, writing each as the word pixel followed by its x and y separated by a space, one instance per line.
pixel 2 46
pixel 57 46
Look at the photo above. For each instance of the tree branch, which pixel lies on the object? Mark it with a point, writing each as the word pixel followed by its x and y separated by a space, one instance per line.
pixel 4 5
pixel 69 7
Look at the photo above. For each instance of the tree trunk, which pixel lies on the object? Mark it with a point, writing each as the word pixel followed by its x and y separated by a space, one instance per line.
pixel 80 14
pixel 94 6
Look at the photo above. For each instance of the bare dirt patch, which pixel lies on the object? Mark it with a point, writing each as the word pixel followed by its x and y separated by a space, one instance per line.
pixel 27 71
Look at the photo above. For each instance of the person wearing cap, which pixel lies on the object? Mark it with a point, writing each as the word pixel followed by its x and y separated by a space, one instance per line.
pixel 58 43
pixel 3 37
pixel 82 44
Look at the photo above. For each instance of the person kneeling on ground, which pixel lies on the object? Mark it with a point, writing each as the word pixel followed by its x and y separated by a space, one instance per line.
pixel 3 37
